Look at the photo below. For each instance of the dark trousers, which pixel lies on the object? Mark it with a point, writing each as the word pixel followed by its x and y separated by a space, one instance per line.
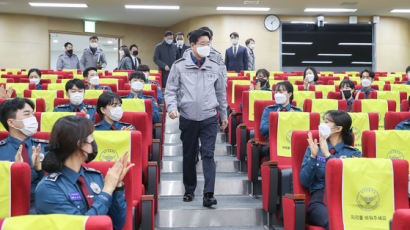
pixel 191 131
pixel 317 210
pixel 164 78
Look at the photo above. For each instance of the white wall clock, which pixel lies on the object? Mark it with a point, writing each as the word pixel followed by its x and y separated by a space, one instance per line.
pixel 272 22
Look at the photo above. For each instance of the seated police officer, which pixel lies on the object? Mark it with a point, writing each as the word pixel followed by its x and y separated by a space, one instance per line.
pixel 17 116
pixel 34 76
pixel 261 80
pixel 283 100
pixel 110 112
pixel 75 90
pixel 347 90
pixel 93 80
pixel 335 141
pixel 145 69
pixel 367 78
pixel 71 188
pixel 137 80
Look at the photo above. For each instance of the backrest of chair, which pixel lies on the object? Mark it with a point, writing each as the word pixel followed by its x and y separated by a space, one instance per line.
pixel 391 119
pixel 15 189
pixel 282 154
pixel 248 104
pixel 260 106
pixel 390 95
pixel 40 104
pixel 46 120
pixel 129 186
pixel 401 219
pixel 375 106
pixel 323 105
pixel 237 97
pixel 299 146
pixel 368 197
pixel 404 106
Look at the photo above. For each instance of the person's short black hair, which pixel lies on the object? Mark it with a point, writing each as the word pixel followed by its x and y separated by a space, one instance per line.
pixel 34 70
pixel 8 109
pixel 235 34
pixel 347 82
pixel 132 46
pixel 288 86
pixel 206 28
pixel 168 33
pixel 408 69
pixel 196 34
pixel 249 40
pixel 342 118
pixel 67 43
pixel 93 37
pixel 180 33
pixel 86 71
pixel 143 68
pixel 106 98
pixel 74 82
pixel 371 73
pixel 314 73
pixel 265 72
pixel 137 75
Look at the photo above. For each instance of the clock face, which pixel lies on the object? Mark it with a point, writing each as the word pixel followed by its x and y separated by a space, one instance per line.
pixel 272 22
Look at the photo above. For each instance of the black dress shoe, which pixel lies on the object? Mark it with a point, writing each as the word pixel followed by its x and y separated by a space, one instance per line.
pixel 188 196
pixel 209 200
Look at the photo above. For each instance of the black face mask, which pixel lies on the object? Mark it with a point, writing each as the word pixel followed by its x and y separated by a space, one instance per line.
pixel 262 81
pixel 347 93
pixel 70 52
pixel 135 52
pixel 93 154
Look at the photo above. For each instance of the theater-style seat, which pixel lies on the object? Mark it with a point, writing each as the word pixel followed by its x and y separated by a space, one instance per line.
pixel 14 189
pixel 323 105
pixel 394 118
pixel 46 120
pixel 375 106
pixel 390 95
pixel 391 144
pixel 124 93
pixel 404 107
pixel 368 201
pixel 64 222
pixel 138 206
pixel 39 103
pixel 63 101
pixel 338 96
pixel 401 219
pixel 234 99
pixel 47 95
pixel 276 173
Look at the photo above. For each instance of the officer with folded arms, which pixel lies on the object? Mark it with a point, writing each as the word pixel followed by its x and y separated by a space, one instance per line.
pixel 195 92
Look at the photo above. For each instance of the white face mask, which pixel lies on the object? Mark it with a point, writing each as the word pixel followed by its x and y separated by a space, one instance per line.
pixel 116 113
pixel 137 86
pixel 35 80
pixel 180 42
pixel 121 53
pixel 366 83
pixel 325 130
pixel 408 75
pixel 94 80
pixel 93 45
pixel 203 51
pixel 280 98
pixel 30 126
pixel 252 46
pixel 234 41
pixel 169 41
pixel 310 77
pixel 76 98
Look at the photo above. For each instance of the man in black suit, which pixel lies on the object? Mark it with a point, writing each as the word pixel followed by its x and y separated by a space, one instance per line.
pixel 236 57
pixel 136 61
pixel 180 45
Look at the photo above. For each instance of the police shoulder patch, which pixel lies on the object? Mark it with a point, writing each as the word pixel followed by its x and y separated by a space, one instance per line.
pixel 40 141
pixel 92 170
pixel 89 106
pixel 53 176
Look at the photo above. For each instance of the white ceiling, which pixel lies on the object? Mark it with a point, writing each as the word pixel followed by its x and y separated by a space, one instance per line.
pixel 114 11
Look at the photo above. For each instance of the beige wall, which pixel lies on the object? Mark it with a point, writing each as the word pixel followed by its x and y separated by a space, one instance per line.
pixel 24 40
pixel 392 52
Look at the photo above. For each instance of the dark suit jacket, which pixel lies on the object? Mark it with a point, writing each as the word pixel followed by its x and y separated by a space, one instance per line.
pixel 133 64
pixel 165 54
pixel 238 62
pixel 180 52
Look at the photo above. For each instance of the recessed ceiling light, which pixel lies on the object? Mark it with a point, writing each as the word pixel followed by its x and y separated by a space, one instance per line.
pixel 335 55
pixel 297 43
pixel 302 22
pixel 152 7
pixel 46 4
pixel 317 62
pixel 354 44
pixel 402 11
pixel 362 62
pixel 288 54
pixel 109 42
pixel 55 41
pixel 330 10
pixel 231 8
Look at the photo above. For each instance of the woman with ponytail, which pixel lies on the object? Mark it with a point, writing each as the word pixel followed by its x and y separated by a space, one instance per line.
pixel 71 188
pixel 335 141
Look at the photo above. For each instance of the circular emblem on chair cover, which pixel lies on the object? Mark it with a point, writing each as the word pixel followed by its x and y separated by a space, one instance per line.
pixel 395 154
pixel 368 199
pixel 108 155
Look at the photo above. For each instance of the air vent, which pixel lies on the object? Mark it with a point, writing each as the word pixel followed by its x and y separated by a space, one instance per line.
pixel 251 2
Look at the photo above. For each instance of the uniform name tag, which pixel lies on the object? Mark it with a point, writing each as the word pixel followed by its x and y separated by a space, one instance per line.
pixel 75 196
pixel 321 159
